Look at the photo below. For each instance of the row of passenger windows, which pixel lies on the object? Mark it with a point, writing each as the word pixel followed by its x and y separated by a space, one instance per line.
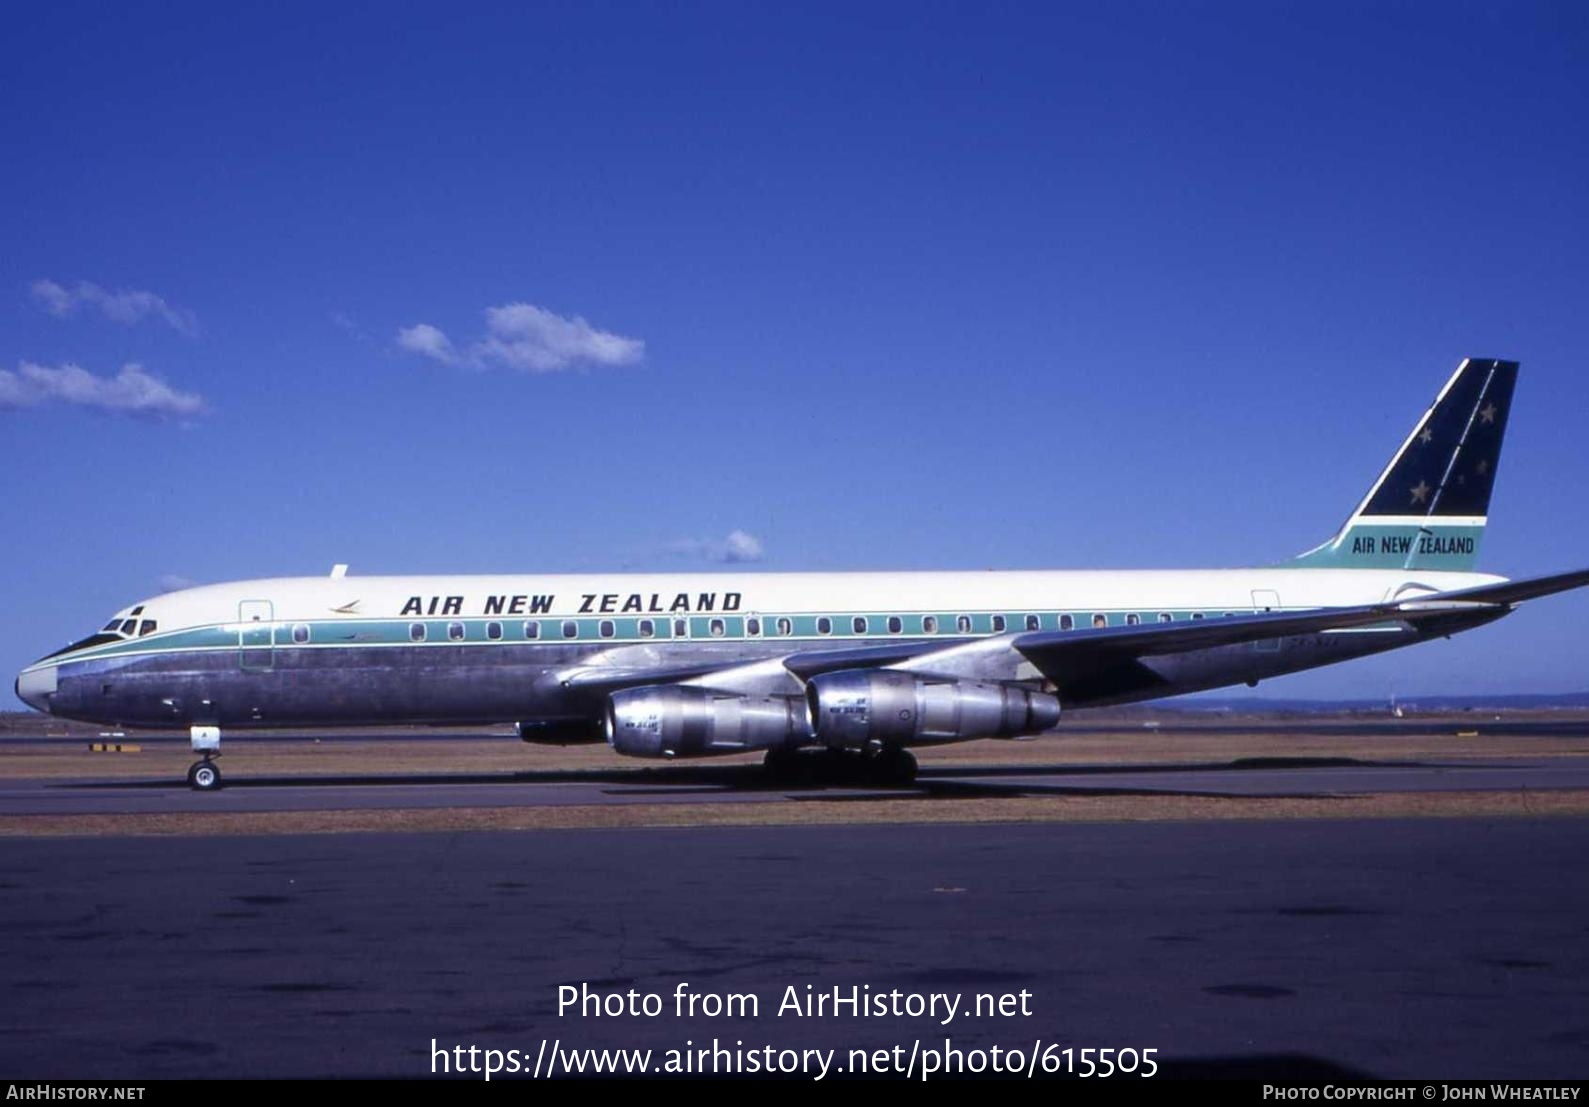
pixel 782 626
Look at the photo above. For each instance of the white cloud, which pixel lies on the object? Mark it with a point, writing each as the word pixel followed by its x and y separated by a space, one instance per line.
pixel 133 391
pixel 125 305
pixel 422 338
pixel 740 547
pixel 528 338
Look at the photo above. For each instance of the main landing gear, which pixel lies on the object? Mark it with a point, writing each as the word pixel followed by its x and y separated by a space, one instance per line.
pixel 895 766
pixel 205 775
pixel 883 768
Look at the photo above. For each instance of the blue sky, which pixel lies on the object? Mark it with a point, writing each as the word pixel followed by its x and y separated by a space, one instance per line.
pixel 874 286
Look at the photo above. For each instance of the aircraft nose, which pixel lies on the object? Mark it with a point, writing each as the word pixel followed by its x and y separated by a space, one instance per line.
pixel 36 686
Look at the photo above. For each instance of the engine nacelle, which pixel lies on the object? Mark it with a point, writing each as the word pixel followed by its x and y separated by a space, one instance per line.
pixel 676 721
pixel 858 708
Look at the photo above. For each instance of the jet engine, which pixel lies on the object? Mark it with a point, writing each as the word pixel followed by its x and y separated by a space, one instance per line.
pixel 676 721
pixel 860 708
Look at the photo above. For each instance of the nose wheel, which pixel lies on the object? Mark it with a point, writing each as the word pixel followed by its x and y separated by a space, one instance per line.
pixel 204 776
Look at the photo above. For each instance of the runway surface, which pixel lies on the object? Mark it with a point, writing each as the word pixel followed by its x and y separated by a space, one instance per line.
pixel 746 784
pixel 1421 948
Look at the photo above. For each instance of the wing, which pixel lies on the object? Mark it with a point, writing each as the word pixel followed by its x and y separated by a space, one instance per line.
pixel 1086 664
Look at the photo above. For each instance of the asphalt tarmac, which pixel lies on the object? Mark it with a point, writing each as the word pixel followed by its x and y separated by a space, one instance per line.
pixel 703 782
pixel 1425 949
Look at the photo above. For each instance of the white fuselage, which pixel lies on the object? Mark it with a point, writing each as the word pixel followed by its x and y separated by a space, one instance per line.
pixel 360 650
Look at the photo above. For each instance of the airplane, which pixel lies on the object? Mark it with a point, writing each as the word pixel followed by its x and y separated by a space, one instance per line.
pixel 866 665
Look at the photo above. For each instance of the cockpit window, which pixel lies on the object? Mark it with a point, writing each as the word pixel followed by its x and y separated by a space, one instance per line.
pixel 147 627
pixel 129 625
pixel 114 624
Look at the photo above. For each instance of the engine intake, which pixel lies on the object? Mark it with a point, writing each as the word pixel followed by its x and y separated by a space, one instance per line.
pixel 676 721
pixel 857 708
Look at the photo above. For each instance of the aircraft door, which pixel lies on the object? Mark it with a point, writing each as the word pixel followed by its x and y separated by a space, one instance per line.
pixel 256 635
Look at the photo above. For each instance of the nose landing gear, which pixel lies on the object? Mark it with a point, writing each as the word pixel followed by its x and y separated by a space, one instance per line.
pixel 205 775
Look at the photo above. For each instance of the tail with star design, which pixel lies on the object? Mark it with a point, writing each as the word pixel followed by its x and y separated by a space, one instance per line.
pixel 1428 508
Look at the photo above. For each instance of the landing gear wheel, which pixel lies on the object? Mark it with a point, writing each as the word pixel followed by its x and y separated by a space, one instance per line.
pixel 893 766
pixel 204 776
pixel 782 764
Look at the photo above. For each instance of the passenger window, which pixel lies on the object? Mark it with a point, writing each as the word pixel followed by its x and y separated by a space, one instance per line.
pixel 146 627
pixel 532 628
pixel 1166 617
pixel 1099 621
pixel 570 628
pixel 858 624
pixel 963 624
pixel 681 628
pixel 607 628
pixel 785 626
pixel 648 628
pixel 416 632
pixel 824 625
pixel 455 631
pixel 717 628
pixel 895 624
pixel 1197 614
pixel 493 631
pixel 1230 614
pixel 929 624
pixel 998 624
pixel 1033 623
pixel 1067 622
pixel 300 633
pixel 753 626
pixel 1133 620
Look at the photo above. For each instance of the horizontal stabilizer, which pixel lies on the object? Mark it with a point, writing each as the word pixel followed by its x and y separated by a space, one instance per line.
pixel 1513 591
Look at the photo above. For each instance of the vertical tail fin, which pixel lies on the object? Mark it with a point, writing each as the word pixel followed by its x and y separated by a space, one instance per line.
pixel 1428 508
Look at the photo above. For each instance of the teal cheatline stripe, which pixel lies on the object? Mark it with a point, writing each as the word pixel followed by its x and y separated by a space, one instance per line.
pixel 1362 545
pixel 798 630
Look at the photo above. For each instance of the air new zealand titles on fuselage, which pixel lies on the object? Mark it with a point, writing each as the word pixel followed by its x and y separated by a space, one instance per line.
pixel 590 603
